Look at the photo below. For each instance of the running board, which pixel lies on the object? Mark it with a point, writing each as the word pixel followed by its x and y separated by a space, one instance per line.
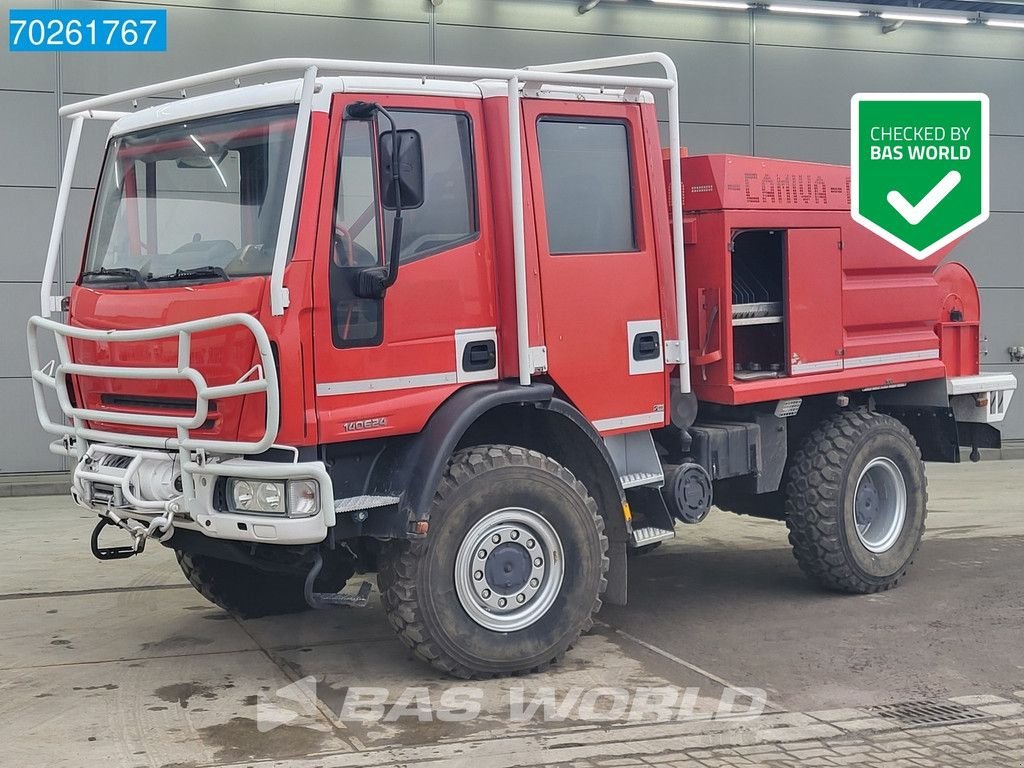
pixel 637 479
pixel 368 501
pixel 644 536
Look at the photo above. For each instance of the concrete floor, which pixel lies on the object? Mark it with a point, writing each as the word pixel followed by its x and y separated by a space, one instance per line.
pixel 123 663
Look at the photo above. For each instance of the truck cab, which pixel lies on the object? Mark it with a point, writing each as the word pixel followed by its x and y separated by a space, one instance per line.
pixel 436 322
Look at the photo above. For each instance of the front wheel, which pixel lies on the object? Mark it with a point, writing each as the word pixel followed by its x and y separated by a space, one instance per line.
pixel 250 592
pixel 510 571
pixel 855 502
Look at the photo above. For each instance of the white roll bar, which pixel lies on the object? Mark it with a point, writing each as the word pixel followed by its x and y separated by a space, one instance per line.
pixel 569 73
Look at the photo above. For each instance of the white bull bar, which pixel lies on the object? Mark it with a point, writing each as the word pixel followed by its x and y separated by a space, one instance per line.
pixel 53 376
pixel 198 458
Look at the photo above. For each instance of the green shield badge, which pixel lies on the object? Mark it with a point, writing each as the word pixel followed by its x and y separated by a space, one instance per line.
pixel 919 166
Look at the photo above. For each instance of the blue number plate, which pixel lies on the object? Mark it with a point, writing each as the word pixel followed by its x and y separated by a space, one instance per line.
pixel 68 31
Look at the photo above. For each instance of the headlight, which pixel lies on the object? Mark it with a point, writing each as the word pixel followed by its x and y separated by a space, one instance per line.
pixel 269 497
pixel 242 495
pixel 296 498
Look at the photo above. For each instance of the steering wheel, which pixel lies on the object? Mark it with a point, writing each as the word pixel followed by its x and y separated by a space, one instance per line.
pixel 343 237
pixel 348 253
pixel 251 258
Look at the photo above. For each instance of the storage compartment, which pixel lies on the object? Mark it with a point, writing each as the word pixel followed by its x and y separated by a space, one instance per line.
pixel 759 340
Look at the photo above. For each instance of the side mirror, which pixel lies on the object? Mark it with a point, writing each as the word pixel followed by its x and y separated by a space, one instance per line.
pixel 410 170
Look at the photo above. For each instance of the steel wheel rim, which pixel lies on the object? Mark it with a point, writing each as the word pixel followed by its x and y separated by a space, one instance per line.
pixel 880 505
pixel 509 569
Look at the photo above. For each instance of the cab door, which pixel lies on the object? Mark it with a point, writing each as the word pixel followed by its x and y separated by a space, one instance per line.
pixel 599 276
pixel 383 365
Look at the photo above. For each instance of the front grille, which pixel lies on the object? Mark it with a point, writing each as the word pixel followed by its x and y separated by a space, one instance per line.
pixel 159 403
pixel 923 713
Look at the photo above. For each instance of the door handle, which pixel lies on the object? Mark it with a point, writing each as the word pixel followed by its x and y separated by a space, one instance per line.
pixel 647 346
pixel 479 356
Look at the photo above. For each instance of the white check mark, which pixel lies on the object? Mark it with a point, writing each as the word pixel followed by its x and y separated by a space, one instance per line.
pixel 915 214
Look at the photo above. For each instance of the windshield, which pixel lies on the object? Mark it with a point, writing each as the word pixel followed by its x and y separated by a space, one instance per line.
pixel 199 200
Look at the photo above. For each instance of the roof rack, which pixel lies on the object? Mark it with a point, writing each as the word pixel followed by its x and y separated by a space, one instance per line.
pixel 567 73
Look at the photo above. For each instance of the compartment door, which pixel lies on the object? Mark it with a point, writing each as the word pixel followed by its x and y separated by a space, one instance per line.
pixel 814 300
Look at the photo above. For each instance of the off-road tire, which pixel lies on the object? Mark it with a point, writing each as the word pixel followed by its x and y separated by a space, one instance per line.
pixel 249 592
pixel 416 577
pixel 819 501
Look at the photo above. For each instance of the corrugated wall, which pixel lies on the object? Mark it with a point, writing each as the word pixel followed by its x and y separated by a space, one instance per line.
pixel 768 84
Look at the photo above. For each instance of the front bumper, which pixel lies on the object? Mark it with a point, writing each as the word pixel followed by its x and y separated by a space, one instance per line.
pixel 142 485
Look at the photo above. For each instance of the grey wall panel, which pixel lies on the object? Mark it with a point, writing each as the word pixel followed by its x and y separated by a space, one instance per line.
pixel 716 89
pixel 26 215
pixel 822 145
pixel 866 35
pixel 18 302
pixel 1007 171
pixel 221 38
pixel 805 86
pixel 994 252
pixel 75 224
pixel 26 71
pixel 28 136
pixel 702 138
pixel 1001 323
pixel 652 21
pixel 24 445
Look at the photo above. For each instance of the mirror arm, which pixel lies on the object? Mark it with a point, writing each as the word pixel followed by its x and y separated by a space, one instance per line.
pixel 373 282
pixel 396 227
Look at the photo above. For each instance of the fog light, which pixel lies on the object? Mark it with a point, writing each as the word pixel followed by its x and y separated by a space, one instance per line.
pixel 303 498
pixel 250 496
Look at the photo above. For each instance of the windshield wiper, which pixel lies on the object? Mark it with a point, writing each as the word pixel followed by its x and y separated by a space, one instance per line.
pixel 123 272
pixel 192 274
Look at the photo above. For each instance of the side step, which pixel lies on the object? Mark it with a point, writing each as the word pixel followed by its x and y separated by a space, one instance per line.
pixel 637 479
pixel 644 536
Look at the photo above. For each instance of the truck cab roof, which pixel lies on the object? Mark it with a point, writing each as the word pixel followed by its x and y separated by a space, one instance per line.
pixel 289 92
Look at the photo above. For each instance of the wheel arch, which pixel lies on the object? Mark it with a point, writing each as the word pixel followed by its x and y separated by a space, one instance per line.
pixel 557 429
pixel 509 414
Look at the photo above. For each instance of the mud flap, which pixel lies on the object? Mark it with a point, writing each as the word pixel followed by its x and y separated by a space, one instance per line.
pixel 615 593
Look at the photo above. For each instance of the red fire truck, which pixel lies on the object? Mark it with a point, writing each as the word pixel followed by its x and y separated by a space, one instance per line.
pixel 475 329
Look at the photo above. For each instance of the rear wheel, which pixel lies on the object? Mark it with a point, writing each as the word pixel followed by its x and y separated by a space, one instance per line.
pixel 510 571
pixel 856 498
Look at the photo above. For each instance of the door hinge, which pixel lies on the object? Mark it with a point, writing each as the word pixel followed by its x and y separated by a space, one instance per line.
pixel 539 359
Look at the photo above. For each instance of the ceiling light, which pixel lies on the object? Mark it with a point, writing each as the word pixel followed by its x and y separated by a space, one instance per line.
pixel 1007 24
pixel 923 17
pixel 815 10
pixel 722 4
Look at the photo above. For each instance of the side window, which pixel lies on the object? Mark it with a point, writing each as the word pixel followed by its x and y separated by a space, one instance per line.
pixel 355 243
pixel 587 186
pixel 448 215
